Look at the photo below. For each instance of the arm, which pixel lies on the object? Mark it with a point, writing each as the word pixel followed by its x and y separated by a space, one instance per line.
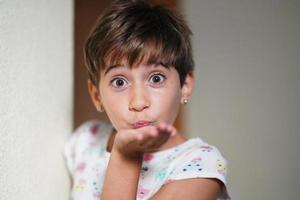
pixel 121 177
pixel 195 189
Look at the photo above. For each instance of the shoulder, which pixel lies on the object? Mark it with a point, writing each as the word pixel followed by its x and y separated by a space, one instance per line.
pixel 91 127
pixel 201 161
pixel 88 135
pixel 89 132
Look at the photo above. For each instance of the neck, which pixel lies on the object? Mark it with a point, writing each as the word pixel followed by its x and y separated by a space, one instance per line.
pixel 173 141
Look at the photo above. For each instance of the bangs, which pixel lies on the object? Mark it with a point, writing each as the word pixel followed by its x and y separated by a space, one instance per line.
pixel 135 52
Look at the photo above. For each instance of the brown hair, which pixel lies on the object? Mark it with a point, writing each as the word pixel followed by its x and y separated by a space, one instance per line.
pixel 137 31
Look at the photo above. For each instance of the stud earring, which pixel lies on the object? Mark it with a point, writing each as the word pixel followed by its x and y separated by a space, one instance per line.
pixel 185 101
pixel 99 108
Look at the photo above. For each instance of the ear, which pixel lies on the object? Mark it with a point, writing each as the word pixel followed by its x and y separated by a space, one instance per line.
pixel 94 94
pixel 187 87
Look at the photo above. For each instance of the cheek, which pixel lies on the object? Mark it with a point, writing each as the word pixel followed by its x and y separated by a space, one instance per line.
pixel 115 108
pixel 167 104
pixel 115 115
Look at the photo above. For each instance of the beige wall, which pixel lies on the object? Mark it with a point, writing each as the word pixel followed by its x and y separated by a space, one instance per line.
pixel 247 99
pixel 36 76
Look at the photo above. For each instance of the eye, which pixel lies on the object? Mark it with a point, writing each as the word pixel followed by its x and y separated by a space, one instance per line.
pixel 119 82
pixel 157 78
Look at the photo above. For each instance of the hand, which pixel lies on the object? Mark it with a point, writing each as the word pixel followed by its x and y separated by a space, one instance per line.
pixel 135 142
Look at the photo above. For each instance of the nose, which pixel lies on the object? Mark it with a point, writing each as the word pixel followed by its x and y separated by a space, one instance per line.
pixel 139 100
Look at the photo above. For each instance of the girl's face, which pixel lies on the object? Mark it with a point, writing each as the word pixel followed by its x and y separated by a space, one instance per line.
pixel 140 96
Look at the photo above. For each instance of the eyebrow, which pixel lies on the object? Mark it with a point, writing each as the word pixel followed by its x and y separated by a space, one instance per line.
pixel 108 69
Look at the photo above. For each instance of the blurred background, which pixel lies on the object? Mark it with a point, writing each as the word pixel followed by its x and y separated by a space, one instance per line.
pixel 246 101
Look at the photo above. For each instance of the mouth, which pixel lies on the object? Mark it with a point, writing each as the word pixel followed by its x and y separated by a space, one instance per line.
pixel 141 124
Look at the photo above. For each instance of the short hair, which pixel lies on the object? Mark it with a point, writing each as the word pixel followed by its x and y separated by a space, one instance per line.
pixel 138 31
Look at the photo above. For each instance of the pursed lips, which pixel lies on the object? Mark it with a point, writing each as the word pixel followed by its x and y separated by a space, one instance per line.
pixel 141 124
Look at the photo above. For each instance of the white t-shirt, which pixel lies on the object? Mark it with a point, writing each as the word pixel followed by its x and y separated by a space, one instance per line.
pixel 87 160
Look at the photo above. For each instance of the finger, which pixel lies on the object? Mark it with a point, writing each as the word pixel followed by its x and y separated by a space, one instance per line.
pixel 154 137
pixel 162 126
pixel 165 128
pixel 173 131
pixel 161 140
pixel 147 134
pixel 156 142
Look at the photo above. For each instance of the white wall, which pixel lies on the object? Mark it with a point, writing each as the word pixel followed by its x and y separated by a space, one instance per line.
pixel 36 73
pixel 247 100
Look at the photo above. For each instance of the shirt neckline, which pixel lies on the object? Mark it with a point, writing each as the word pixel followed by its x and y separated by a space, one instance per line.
pixel 188 142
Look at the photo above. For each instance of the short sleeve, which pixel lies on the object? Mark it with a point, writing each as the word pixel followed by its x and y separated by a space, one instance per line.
pixel 85 156
pixel 203 162
pixel 82 140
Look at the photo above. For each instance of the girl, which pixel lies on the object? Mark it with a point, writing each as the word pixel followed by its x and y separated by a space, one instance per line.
pixel 140 67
